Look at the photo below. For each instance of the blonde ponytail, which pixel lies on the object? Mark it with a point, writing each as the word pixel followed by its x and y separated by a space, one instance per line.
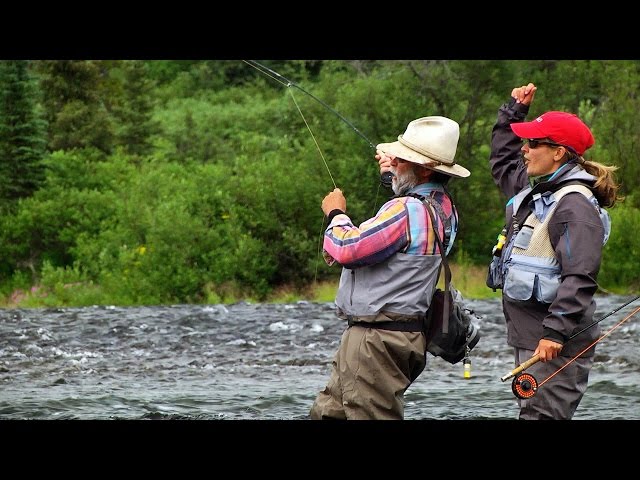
pixel 606 188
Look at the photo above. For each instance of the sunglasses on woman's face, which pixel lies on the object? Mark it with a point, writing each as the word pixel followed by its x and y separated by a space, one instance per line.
pixel 534 143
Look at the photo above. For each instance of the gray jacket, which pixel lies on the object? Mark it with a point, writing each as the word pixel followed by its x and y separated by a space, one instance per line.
pixel 576 233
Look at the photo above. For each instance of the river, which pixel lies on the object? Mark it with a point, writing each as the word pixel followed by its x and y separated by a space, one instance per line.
pixel 258 361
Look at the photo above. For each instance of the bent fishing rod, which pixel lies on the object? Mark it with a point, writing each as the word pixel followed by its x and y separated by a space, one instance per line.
pixel 385 178
pixel 524 385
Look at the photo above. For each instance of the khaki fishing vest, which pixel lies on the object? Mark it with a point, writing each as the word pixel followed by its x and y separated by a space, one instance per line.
pixel 532 267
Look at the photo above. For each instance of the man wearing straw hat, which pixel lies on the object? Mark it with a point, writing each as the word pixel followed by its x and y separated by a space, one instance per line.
pixel 390 270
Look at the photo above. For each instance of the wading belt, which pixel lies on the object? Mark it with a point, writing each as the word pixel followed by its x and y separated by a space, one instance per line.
pixel 412 326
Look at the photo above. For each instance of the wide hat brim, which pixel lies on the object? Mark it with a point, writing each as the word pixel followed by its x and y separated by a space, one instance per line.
pixel 397 149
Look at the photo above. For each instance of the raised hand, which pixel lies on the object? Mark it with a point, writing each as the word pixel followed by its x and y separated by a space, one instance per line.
pixel 524 94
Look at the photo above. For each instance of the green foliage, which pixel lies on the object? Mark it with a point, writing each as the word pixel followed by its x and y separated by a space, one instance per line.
pixel 616 125
pixel 60 286
pixel 214 129
pixel 135 113
pixel 621 254
pixel 157 247
pixel 165 71
pixel 47 225
pixel 78 125
pixel 76 100
pixel 201 181
pixel 22 133
pixel 15 285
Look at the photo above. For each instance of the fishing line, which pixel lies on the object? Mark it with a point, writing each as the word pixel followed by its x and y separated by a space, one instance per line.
pixel 319 254
pixel 314 139
pixel 288 84
pixel 274 75
pixel 385 178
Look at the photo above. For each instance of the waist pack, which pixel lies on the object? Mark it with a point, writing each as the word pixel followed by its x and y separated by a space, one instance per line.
pixel 450 340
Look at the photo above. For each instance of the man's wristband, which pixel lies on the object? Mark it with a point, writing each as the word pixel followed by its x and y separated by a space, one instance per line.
pixel 333 213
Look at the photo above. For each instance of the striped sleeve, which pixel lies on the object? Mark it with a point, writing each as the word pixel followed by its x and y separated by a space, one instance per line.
pixel 372 242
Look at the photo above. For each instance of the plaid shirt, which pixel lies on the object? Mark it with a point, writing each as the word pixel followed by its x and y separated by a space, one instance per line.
pixel 401 225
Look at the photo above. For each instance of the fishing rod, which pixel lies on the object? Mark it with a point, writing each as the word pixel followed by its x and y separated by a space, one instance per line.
pixel 385 178
pixel 525 385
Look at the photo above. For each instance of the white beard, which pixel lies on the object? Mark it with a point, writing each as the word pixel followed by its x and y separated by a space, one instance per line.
pixel 404 182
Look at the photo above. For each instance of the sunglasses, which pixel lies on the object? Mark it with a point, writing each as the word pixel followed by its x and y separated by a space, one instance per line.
pixel 534 143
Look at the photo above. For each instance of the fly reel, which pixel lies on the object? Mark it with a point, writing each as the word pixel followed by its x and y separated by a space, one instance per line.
pixel 524 385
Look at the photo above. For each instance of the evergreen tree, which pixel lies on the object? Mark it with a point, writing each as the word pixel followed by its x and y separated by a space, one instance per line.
pixel 22 133
pixel 136 111
pixel 76 103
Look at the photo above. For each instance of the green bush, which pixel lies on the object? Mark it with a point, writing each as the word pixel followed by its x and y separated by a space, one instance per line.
pixel 621 255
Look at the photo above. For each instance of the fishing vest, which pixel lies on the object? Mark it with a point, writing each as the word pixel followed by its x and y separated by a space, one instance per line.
pixel 530 269
pixel 398 289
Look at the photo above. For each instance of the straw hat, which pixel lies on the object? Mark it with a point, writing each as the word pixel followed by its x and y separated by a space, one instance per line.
pixel 429 141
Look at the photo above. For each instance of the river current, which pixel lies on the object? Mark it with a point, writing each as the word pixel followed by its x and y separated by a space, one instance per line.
pixel 259 361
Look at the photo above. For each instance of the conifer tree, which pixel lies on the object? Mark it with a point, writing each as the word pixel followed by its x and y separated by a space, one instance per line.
pixel 136 110
pixel 76 105
pixel 22 132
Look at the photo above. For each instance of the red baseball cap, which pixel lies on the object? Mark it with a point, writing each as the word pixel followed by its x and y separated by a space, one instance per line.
pixel 563 128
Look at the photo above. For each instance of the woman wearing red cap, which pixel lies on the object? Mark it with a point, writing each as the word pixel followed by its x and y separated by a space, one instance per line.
pixel 549 257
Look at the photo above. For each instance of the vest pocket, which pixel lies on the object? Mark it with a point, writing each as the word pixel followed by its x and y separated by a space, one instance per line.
pixel 523 239
pixel 521 283
pixel 518 284
pixel 494 274
pixel 547 287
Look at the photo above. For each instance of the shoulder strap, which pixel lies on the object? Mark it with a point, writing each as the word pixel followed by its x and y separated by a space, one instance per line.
pixel 574 187
pixel 429 204
pixel 447 271
pixel 446 221
pixel 559 191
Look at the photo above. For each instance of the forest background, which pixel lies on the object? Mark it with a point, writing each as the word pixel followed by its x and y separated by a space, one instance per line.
pixel 127 182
